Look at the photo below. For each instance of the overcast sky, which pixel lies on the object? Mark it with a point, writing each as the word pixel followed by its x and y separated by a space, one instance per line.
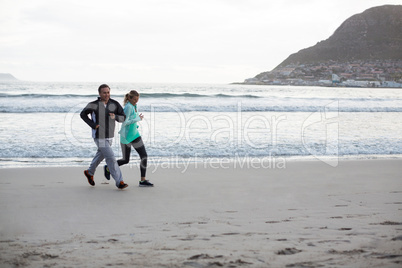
pixel 162 41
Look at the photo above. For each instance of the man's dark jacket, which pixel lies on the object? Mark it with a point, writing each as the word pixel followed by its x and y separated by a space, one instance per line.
pixel 100 116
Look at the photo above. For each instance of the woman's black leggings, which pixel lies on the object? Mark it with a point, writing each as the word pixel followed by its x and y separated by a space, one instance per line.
pixel 140 148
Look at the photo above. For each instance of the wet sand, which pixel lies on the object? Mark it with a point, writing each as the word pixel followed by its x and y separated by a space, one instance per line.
pixel 304 214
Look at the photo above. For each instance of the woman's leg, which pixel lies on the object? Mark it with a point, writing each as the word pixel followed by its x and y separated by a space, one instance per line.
pixel 140 148
pixel 125 150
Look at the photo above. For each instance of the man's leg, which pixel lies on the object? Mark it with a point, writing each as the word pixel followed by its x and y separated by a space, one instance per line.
pixel 98 158
pixel 106 150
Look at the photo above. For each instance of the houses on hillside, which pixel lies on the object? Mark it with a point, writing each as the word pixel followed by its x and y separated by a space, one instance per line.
pixel 374 73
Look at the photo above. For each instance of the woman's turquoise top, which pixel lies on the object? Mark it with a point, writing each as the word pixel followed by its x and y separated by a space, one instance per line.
pixel 129 128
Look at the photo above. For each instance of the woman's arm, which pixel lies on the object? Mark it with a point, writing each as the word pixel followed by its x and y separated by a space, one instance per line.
pixel 131 117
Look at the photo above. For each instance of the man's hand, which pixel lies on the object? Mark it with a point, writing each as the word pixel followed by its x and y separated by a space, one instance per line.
pixel 112 115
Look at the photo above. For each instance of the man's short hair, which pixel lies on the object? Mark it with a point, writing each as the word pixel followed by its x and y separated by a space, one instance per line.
pixel 102 86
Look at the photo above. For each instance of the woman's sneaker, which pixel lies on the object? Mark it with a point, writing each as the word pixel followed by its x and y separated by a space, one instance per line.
pixel 145 183
pixel 122 185
pixel 106 172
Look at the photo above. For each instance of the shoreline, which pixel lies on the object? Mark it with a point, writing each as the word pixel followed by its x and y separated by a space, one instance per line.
pixel 6 163
pixel 314 85
pixel 308 214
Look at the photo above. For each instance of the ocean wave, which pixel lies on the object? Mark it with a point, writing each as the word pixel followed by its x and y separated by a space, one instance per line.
pixel 195 97
pixel 41 95
pixel 187 151
pixel 220 109
pixel 143 95
pixel 196 102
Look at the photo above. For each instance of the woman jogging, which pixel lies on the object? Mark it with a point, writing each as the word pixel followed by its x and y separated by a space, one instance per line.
pixel 129 136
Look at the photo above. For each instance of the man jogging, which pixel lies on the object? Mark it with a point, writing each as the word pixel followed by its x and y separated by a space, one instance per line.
pixel 103 113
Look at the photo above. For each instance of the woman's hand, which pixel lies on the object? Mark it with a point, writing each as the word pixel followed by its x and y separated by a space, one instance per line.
pixel 141 116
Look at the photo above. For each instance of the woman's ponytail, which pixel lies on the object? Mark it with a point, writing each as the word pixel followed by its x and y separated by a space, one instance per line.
pixel 130 95
pixel 126 99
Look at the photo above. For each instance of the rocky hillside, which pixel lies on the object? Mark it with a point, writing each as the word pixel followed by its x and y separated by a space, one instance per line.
pixel 375 34
pixel 7 77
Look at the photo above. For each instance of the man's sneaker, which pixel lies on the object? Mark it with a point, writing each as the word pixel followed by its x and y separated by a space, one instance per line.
pixel 106 172
pixel 145 183
pixel 89 177
pixel 122 185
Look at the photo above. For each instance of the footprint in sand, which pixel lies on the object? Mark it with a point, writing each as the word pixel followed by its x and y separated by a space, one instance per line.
pixel 288 251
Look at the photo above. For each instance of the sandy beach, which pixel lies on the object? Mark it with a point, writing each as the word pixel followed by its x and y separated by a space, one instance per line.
pixel 307 214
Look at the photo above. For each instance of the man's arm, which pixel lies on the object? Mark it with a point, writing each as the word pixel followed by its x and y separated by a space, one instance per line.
pixel 89 109
pixel 120 115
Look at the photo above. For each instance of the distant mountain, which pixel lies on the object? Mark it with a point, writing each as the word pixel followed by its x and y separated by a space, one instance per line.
pixel 374 34
pixel 7 77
